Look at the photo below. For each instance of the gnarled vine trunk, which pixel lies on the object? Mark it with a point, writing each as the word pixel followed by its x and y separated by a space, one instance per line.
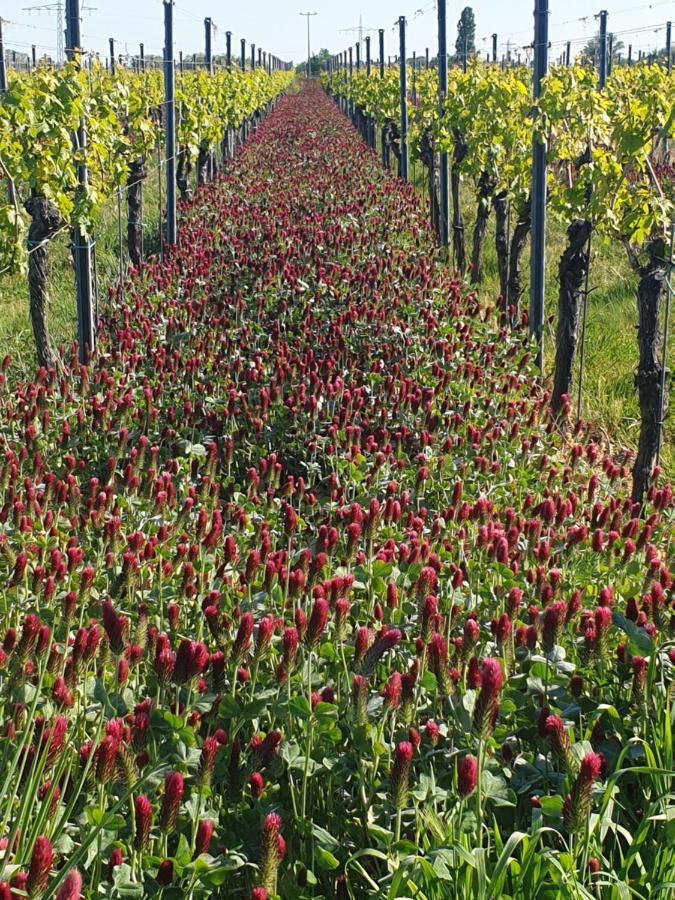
pixel 203 165
pixel 460 150
pixel 183 174
pixel 572 270
pixel 392 144
pixel 649 374
pixel 430 159
pixel 518 242
pixel 137 173
pixel 45 222
pixel 486 186
pixel 500 204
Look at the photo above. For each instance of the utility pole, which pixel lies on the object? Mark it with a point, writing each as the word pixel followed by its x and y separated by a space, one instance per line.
pixel 308 16
pixel 56 7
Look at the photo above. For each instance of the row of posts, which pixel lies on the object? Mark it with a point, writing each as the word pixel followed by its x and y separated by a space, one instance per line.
pixel 541 45
pixel 83 246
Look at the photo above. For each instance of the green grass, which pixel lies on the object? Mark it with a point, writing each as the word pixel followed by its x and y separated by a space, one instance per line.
pixel 609 398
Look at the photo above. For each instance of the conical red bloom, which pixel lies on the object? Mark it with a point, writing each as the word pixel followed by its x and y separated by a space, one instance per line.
pixel 40 866
pixel 317 621
pixel 174 787
pixel 487 705
pixel 204 837
pixel 577 806
pixel 270 857
pixel 400 773
pixel 71 889
pixel 143 810
pixel 467 775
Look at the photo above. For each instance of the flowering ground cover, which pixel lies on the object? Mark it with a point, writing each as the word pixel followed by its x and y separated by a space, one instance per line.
pixel 304 594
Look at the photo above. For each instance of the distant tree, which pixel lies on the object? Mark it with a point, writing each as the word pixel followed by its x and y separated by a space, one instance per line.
pixel 319 62
pixel 591 52
pixel 466 35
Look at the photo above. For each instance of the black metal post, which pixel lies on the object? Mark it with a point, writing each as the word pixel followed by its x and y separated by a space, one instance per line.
pixel 142 57
pixel 403 163
pixel 568 54
pixel 442 93
pixel 3 69
pixel 602 48
pixel 427 57
pixel 382 133
pixel 368 55
pixel 112 55
pixel 33 52
pixel 228 50
pixel 610 53
pixel 170 120
pixel 494 48
pixel 538 198
pixel 82 246
pixel 243 54
pixel 252 57
pixel 669 50
pixel 208 55
pixel 358 56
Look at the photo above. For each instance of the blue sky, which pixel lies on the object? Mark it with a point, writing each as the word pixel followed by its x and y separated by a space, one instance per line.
pixel 277 26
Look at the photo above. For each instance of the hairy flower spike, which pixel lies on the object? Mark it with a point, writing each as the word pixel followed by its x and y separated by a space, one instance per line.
pixel 487 704
pixel 400 773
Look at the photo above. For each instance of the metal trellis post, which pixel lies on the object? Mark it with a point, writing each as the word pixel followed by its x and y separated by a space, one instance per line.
pixel 538 254
pixel 403 164
pixel 170 121
pixel 603 48
pixel 442 93
pixel 82 246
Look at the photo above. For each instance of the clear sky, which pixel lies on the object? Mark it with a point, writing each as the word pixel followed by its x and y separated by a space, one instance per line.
pixel 276 25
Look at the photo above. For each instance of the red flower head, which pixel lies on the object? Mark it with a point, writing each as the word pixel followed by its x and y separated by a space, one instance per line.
pixel 143 810
pixel 385 641
pixel 40 866
pixel 577 806
pixel 271 856
pixel 71 889
pixel 400 773
pixel 242 642
pixel 317 621
pixel 116 627
pixel 257 784
pixel 204 837
pixel 392 691
pixel 207 761
pixel 342 607
pixel 174 787
pixel 289 645
pixel 467 775
pixel 487 705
